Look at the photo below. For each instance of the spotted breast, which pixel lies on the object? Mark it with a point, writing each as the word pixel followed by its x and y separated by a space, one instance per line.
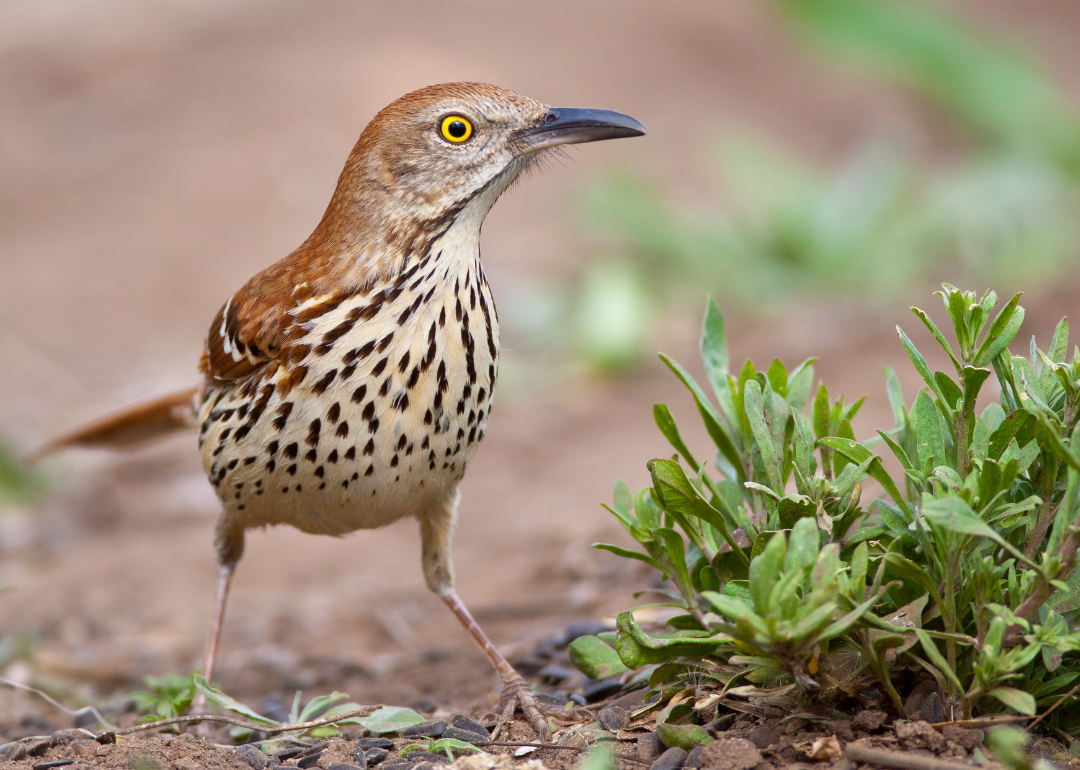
pixel 391 400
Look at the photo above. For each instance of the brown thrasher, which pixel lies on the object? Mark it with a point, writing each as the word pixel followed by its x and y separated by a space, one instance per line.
pixel 348 385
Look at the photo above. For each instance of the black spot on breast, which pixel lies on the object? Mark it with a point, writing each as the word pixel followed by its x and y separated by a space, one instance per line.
pixel 356 354
pixel 332 457
pixel 320 387
pixel 347 372
pixel 283 411
pixel 350 453
pixel 334 412
pixel 270 466
pixel 394 461
pixel 370 470
pixel 358 394
pixel 427 419
pixel 384 343
pixel 408 450
pixel 342 430
pixel 311 456
pixel 481 395
pixel 232 463
pixel 272 448
pixel 369 448
pixel 369 411
pixel 466 391
pixel 401 442
pixel 400 401
pixel 319 472
pixel 413 378
pixel 425 443
pixel 461 406
pixel 249 460
pixel 225 434
pixel 313 432
pixel 241 413
pixel 404 363
pixel 242 431
pixel 379 367
pixel 373 426
pixel 442 317
pixel 472 434
pixel 291 450
pixel 386 385
pixel 291 470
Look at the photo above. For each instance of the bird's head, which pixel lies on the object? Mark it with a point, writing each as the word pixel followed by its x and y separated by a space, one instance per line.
pixel 450 150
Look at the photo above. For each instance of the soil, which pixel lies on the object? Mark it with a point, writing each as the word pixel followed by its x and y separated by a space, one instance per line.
pixel 153 160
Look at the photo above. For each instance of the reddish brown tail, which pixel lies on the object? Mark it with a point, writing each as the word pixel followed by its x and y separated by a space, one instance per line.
pixel 134 424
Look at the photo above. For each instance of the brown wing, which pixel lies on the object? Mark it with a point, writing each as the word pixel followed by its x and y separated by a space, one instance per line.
pixel 259 324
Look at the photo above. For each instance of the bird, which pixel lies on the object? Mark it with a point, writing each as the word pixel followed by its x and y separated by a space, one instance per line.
pixel 348 385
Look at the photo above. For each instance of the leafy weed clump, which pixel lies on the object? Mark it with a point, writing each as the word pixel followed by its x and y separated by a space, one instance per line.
pixel 791 588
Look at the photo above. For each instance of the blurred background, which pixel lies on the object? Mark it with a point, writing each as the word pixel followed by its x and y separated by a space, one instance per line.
pixel 817 166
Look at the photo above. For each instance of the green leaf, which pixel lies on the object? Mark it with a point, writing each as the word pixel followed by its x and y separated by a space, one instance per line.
pixel 935 657
pixel 765 571
pixel 714 354
pixel 1019 701
pixel 683 736
pixel 1002 331
pixel 896 397
pixel 1059 345
pixel 859 454
pixel 929 431
pixel 594 658
pixel 938 335
pixel 626 553
pixel 637 649
pixel 1019 424
pixel 755 414
pixel 803 546
pixel 708 415
pixel 218 698
pixel 920 363
pixel 666 423
pixel 389 719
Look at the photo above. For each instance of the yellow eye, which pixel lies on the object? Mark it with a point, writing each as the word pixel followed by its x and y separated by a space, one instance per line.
pixel 455 128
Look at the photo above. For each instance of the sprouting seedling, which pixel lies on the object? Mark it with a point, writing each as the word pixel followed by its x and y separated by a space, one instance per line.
pixel 434 746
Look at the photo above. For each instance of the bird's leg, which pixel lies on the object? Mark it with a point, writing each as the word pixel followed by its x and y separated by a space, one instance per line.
pixel 435 534
pixel 229 545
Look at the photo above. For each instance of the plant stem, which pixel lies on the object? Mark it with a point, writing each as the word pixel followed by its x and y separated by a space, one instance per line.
pixel 949 613
pixel 1066 557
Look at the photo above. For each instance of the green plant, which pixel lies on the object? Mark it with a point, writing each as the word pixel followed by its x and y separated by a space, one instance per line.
pixel 165 696
pixel 435 745
pixel 964 567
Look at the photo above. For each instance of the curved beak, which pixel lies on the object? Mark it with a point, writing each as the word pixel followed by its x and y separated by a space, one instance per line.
pixel 574 125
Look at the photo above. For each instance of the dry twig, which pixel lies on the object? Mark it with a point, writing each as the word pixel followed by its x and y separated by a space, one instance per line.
pixel 270 729
pixel 900 760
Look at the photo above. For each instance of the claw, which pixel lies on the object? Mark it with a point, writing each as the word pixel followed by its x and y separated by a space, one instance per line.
pixel 515 693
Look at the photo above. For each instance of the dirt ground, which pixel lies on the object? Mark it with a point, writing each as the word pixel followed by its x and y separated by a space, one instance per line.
pixel 152 160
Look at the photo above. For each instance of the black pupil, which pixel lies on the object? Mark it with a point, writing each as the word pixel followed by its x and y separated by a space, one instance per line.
pixel 457 129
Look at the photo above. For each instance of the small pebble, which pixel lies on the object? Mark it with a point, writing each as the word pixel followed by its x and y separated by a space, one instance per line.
pixel 669 760
pixel 870 720
pixel 289 753
pixel 648 746
pixel 551 699
pixel 252 755
pixel 360 758
pixel 720 724
pixel 764 736
pixel 37 748
pixel 60 737
pixel 462 722
pixel 529 665
pixel 374 756
pixel 343 766
pixel 310 760
pixel 397 764
pixel 614 718
pixel 554 674
pixel 13 751
pixel 605 688
pixel 578 699
pixel 55 763
pixel 430 729
pixel 466 735
pixel 106 738
pixel 375 743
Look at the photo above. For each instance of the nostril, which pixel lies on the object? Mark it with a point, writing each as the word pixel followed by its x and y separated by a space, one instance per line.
pixel 551 117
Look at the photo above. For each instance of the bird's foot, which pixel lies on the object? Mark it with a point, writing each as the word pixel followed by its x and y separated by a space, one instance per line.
pixel 516 693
